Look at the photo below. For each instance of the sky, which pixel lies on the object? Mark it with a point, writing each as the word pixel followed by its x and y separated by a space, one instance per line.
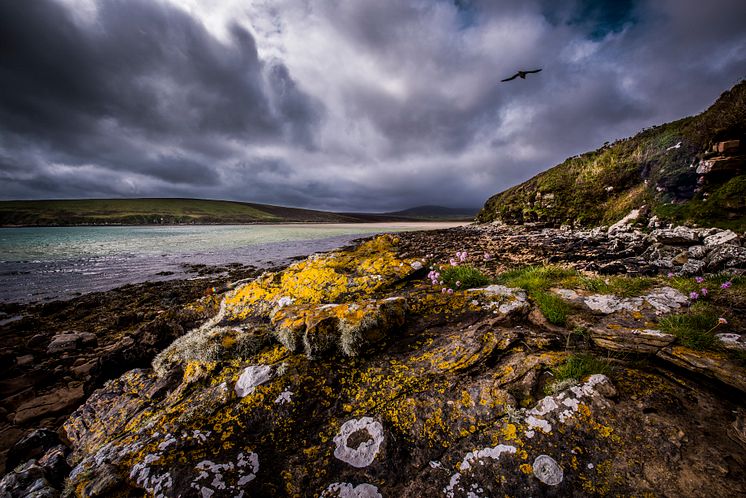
pixel 345 105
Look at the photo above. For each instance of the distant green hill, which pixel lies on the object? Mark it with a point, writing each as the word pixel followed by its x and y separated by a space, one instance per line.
pixel 673 169
pixel 155 211
pixel 437 212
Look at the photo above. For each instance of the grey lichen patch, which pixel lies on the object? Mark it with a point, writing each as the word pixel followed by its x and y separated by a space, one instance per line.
pixel 363 454
pixel 560 407
pixel 502 299
pixel 347 490
pixel 225 478
pixel 547 470
pixel 251 377
pixel 479 455
pixel 662 300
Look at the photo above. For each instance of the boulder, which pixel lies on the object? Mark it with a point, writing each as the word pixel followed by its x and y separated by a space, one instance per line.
pixel 710 364
pixel 679 235
pixel 622 339
pixel 698 252
pixel 726 256
pixel 724 237
pixel 32 445
pixel 49 404
pixel 70 341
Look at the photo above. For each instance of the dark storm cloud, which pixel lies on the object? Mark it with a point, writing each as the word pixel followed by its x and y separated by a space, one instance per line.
pixel 146 76
pixel 350 105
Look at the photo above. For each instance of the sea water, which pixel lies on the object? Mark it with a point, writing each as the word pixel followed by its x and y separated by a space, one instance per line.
pixel 39 264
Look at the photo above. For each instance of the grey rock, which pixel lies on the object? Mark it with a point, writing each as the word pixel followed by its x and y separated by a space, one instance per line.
pixel 680 235
pixel 693 267
pixel 698 252
pixel 724 237
pixel 71 341
pixel 726 256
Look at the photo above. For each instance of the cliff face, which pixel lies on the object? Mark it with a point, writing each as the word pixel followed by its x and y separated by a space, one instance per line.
pixel 375 371
pixel 692 170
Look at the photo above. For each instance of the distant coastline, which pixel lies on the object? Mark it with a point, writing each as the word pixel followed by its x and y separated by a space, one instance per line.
pixel 190 212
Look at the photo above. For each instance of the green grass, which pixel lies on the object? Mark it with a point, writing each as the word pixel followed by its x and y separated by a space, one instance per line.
pixel 554 309
pixel 579 366
pixel 621 286
pixel 694 329
pixel 469 277
pixel 535 279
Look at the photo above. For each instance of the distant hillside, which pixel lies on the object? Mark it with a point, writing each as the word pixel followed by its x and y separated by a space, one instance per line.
pixel 690 170
pixel 437 212
pixel 156 211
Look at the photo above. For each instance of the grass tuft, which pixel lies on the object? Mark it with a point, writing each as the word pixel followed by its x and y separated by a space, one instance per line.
pixel 536 278
pixel 554 309
pixel 579 366
pixel 468 276
pixel 693 329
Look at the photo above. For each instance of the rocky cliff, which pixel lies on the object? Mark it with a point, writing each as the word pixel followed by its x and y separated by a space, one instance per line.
pixel 688 171
pixel 439 364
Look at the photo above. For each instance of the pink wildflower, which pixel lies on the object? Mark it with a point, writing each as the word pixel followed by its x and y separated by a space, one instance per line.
pixel 450 291
pixel 693 296
pixel 722 321
pixel 487 256
pixel 462 256
pixel 699 280
pixel 453 262
pixel 725 285
pixel 443 290
pixel 703 291
pixel 458 283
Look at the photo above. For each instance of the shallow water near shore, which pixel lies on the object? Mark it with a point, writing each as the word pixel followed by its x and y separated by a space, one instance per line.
pixel 47 263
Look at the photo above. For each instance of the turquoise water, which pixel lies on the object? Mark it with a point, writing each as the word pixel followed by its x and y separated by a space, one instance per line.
pixel 60 262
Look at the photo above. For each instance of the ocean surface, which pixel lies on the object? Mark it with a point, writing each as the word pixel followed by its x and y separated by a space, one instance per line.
pixel 43 264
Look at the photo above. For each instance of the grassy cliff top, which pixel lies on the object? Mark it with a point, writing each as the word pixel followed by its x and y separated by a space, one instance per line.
pixel 656 168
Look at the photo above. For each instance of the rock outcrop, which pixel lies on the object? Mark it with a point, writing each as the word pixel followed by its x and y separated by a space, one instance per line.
pixel 352 374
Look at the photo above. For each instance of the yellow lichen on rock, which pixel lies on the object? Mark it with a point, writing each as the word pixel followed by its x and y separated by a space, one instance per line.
pixel 326 278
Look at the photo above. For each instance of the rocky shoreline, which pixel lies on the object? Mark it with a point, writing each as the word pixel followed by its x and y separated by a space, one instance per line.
pixel 361 373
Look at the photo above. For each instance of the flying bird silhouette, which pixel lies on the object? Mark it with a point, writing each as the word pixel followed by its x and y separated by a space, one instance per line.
pixel 521 74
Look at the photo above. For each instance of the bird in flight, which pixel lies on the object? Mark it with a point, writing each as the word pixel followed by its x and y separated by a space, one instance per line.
pixel 521 74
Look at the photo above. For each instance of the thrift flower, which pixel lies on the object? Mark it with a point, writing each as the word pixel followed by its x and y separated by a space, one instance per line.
pixel 703 291
pixel 670 275
pixel 487 256
pixel 462 256
pixel 722 321
pixel 450 291
pixel 725 285
pixel 453 262
pixel 693 295
pixel 443 290
pixel 458 283
pixel 699 280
